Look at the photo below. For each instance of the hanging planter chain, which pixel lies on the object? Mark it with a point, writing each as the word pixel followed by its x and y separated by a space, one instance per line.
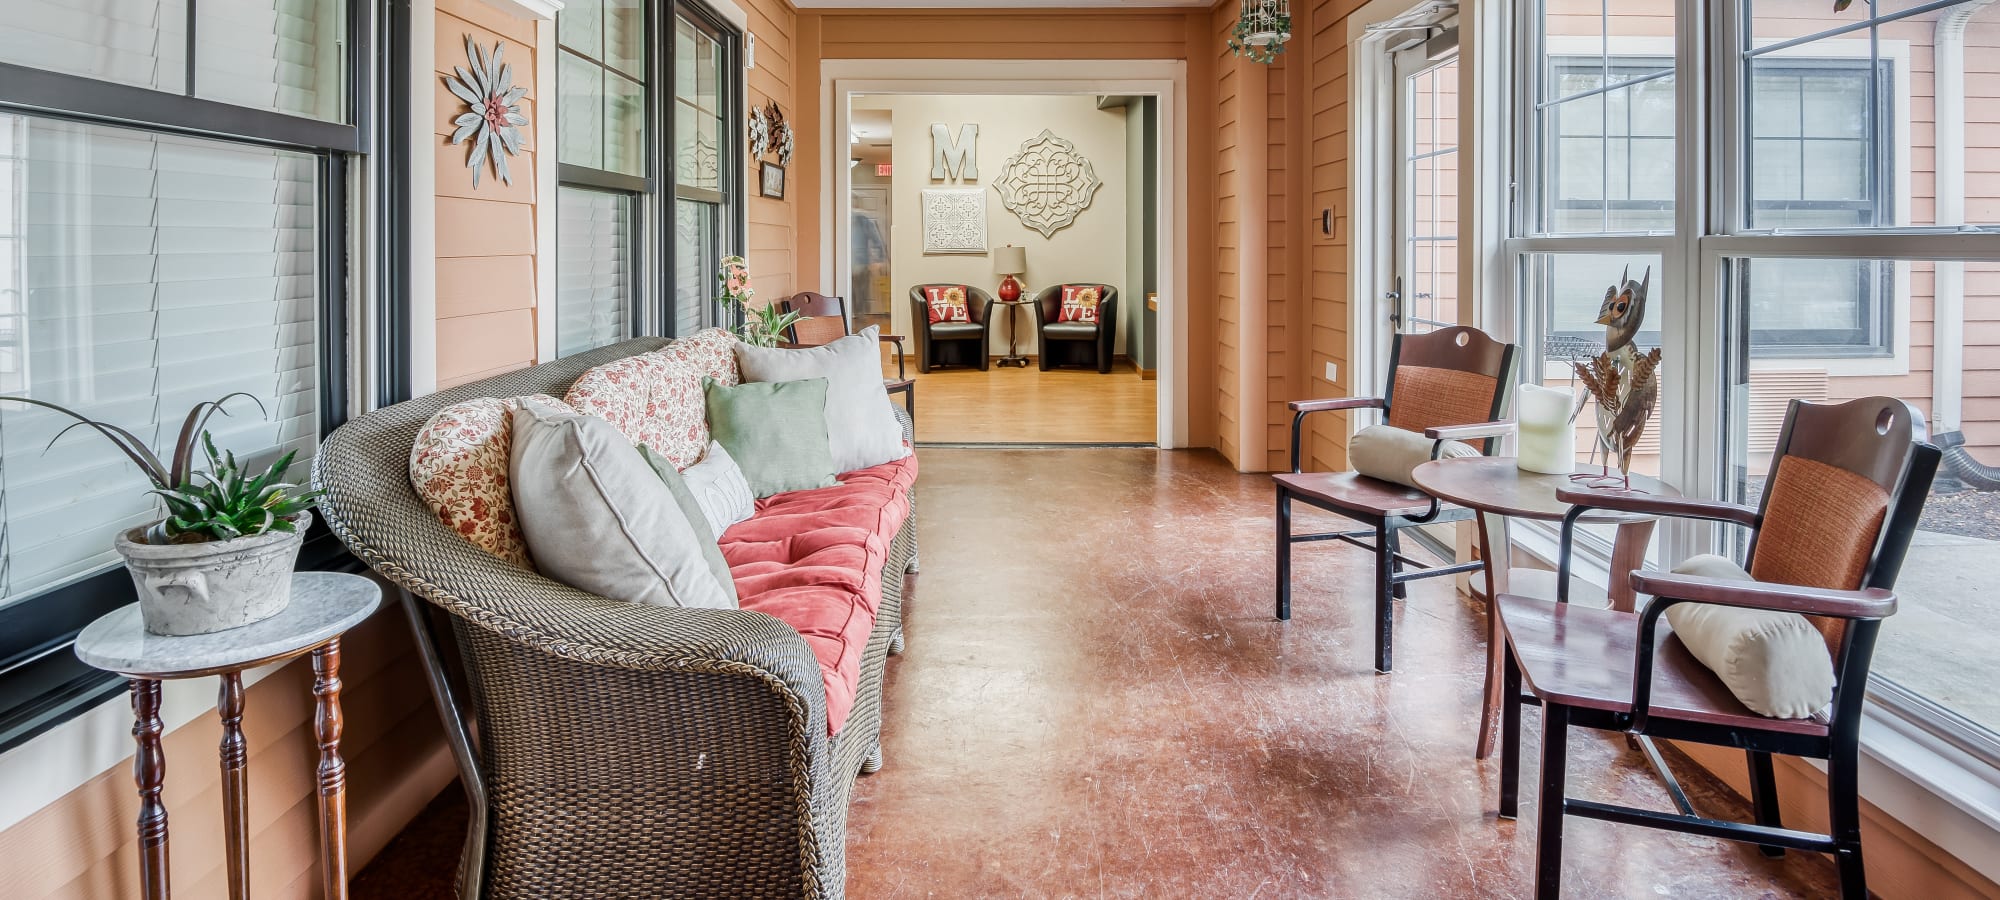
pixel 1262 30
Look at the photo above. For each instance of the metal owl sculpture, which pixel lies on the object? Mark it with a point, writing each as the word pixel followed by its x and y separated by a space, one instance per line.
pixel 1623 384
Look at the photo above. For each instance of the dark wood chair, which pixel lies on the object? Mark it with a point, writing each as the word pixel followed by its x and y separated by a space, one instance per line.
pixel 1076 343
pixel 1451 384
pixel 951 343
pixel 1847 486
pixel 824 319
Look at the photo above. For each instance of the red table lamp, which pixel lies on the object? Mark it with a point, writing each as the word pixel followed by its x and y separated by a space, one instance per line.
pixel 1008 262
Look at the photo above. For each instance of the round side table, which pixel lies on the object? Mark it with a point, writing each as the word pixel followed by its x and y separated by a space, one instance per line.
pixel 1013 357
pixel 1498 489
pixel 324 606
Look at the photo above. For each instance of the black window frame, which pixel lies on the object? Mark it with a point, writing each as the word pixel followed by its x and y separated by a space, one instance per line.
pixel 42 683
pixel 653 195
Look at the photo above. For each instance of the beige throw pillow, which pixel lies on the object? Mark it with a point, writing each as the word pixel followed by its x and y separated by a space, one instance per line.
pixel 1389 453
pixel 1775 662
pixel 861 427
pixel 597 518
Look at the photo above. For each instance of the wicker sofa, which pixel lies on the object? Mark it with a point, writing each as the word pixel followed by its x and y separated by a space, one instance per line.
pixel 613 749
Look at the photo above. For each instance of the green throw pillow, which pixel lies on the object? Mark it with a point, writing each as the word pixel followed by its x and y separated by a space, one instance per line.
pixel 711 552
pixel 776 431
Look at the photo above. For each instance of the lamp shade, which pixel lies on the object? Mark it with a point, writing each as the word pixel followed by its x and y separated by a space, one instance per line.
pixel 1010 260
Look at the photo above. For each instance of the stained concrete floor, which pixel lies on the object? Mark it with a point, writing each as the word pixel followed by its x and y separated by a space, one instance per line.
pixel 1097 702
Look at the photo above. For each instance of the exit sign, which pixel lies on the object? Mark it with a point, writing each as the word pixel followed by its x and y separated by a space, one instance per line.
pixel 884 170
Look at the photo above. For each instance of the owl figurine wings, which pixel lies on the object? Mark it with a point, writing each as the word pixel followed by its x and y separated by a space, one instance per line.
pixel 1623 384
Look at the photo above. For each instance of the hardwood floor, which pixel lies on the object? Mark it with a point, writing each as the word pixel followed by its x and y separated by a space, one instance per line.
pixel 1029 406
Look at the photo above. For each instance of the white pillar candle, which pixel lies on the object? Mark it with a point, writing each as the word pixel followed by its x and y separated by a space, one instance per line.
pixel 1547 441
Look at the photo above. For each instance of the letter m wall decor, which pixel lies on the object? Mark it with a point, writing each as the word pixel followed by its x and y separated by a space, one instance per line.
pixel 955 159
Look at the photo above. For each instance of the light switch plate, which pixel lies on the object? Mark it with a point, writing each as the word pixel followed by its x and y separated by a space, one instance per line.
pixel 1333 372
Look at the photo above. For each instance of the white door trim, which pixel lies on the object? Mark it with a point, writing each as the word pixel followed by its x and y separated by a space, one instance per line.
pixel 840 79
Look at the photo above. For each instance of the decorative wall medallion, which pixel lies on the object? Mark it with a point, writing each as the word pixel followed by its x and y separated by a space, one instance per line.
pixel 787 142
pixel 494 121
pixel 954 221
pixel 1048 184
pixel 760 133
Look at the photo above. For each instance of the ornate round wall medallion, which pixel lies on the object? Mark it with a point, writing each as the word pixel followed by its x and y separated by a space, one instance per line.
pixel 1048 184
pixel 494 120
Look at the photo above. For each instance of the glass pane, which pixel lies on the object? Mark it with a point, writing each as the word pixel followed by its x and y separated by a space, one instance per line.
pixel 580 27
pixel 141 274
pixel 1606 118
pixel 1938 642
pixel 696 260
pixel 1430 193
pixel 625 37
pixel 697 109
pixel 1887 125
pixel 624 125
pixel 1564 295
pixel 580 121
pixel 287 56
pixel 593 269
pixel 135 42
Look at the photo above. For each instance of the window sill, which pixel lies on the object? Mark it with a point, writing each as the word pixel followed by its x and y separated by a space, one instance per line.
pixel 1909 771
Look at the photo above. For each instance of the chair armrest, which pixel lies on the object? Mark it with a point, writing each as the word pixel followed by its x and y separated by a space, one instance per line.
pixel 1501 428
pixel 1669 589
pixel 1313 406
pixel 896 339
pixel 1650 504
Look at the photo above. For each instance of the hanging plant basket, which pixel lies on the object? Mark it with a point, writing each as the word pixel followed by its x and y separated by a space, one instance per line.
pixel 1262 30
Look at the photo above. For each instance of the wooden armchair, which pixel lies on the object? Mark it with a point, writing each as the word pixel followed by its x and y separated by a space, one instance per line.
pixel 951 343
pixel 1076 343
pixel 1451 384
pixel 1846 489
pixel 823 320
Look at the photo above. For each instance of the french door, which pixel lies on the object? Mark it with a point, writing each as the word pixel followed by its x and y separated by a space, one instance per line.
pixel 1424 295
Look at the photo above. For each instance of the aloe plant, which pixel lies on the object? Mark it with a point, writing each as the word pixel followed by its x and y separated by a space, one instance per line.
pixel 223 503
pixel 214 505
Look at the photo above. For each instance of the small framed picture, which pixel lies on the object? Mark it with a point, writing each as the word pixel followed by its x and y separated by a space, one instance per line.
pixel 771 180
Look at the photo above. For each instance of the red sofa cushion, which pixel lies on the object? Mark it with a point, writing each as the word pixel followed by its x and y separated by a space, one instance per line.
pixel 814 560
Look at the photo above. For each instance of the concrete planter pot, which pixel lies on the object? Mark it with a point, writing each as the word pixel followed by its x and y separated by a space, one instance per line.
pixel 215 585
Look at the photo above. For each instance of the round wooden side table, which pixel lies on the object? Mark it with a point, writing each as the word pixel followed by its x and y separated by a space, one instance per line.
pixel 1013 357
pixel 1498 489
pixel 324 606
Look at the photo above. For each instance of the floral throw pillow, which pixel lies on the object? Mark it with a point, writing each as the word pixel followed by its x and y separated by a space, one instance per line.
pixel 1079 303
pixel 947 303
pixel 459 467
pixel 656 399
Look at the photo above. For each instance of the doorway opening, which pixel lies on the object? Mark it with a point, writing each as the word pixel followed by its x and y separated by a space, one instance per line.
pixel 946 192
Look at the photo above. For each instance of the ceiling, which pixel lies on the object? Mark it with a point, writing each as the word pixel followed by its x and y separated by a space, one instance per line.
pixel 998 4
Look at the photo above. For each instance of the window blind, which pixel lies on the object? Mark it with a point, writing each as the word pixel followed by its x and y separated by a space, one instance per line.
pixel 593 269
pixel 135 42
pixel 141 274
pixel 280 55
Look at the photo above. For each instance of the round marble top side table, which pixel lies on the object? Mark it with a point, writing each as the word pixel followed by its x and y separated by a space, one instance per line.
pixel 324 606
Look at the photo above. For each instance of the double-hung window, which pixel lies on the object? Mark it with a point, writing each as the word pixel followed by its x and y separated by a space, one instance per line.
pixel 172 209
pixel 644 209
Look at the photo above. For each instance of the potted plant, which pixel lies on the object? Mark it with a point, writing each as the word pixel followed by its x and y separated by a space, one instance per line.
pixel 223 556
pixel 763 326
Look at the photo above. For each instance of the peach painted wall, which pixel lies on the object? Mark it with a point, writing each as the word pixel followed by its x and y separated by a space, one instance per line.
pixel 773 224
pixel 486 236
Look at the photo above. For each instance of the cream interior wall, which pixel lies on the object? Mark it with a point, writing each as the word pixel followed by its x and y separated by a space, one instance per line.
pixel 1093 249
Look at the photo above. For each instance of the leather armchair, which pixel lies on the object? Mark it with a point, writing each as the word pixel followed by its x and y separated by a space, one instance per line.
pixel 1076 343
pixel 951 343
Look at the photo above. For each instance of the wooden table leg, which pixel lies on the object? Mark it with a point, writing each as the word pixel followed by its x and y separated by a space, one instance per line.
pixel 1628 554
pixel 149 770
pixel 235 785
pixel 332 771
pixel 1496 549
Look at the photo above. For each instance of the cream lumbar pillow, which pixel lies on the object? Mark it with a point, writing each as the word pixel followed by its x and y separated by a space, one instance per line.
pixel 721 489
pixel 1775 662
pixel 860 424
pixel 597 517
pixel 1390 453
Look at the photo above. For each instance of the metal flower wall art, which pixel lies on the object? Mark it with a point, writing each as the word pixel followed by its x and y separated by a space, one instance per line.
pixel 1048 184
pixel 494 120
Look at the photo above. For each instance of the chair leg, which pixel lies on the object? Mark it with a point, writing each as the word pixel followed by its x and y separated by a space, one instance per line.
pixel 1385 603
pixel 1402 591
pixel 1843 792
pixel 1510 736
pixel 1284 555
pixel 1764 796
pixel 1549 813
